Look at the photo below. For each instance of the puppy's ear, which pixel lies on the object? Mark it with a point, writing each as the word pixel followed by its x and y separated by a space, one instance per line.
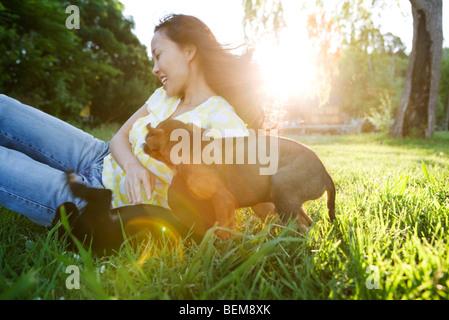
pixel 154 131
pixel 150 128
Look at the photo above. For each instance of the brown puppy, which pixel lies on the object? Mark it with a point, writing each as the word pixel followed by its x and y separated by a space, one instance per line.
pixel 203 193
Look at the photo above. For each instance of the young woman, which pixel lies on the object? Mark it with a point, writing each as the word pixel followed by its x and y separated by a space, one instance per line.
pixel 202 83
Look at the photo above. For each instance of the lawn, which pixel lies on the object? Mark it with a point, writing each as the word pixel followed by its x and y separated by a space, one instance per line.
pixel 390 240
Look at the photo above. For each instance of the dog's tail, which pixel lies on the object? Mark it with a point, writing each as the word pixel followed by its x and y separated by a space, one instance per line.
pixel 331 194
pixel 98 195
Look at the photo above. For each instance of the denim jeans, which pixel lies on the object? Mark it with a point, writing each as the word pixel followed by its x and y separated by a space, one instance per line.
pixel 36 150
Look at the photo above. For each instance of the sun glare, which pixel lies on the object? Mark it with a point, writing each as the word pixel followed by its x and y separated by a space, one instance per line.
pixel 287 63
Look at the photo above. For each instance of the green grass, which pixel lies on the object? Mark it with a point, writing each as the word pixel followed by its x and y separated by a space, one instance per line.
pixel 392 217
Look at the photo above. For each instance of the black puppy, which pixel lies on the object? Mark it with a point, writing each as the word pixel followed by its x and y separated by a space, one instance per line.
pixel 106 229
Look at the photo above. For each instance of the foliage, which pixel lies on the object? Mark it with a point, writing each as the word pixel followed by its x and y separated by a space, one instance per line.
pixel 357 22
pixel 373 64
pixel 261 17
pixel 381 118
pixel 101 66
pixel 359 65
pixel 392 216
pixel 366 78
pixel 444 90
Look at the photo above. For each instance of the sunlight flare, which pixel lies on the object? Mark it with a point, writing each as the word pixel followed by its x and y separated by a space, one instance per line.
pixel 160 230
pixel 287 63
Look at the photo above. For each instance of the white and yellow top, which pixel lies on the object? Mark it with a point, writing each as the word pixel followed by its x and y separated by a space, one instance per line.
pixel 215 113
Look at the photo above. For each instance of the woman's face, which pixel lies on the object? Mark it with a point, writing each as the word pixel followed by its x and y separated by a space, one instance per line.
pixel 171 64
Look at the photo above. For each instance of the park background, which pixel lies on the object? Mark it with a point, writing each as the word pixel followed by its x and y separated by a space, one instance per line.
pixel 323 63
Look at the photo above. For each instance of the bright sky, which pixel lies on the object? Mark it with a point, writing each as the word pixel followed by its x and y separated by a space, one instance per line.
pixel 289 67
pixel 224 17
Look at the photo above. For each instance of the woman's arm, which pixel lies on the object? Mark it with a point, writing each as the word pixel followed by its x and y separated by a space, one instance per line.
pixel 136 175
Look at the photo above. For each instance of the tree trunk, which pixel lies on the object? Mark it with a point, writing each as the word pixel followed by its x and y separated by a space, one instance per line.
pixel 416 115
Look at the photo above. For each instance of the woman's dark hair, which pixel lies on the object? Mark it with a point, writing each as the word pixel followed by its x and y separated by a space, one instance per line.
pixel 233 77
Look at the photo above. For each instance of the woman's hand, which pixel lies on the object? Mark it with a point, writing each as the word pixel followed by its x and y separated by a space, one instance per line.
pixel 137 177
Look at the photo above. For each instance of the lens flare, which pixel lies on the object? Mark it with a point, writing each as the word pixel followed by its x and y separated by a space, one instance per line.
pixel 162 233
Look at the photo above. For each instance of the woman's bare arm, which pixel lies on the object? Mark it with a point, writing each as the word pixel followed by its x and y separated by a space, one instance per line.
pixel 136 175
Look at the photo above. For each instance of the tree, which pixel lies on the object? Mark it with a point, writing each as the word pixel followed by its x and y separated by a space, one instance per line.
pixel 416 115
pixel 359 66
pixel 262 16
pixel 119 70
pixel 35 48
pixel 366 81
pixel 101 66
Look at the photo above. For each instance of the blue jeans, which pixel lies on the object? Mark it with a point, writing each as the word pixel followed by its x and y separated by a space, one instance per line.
pixel 36 150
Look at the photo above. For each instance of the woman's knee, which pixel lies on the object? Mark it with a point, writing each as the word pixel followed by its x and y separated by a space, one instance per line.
pixel 5 102
pixel 9 111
